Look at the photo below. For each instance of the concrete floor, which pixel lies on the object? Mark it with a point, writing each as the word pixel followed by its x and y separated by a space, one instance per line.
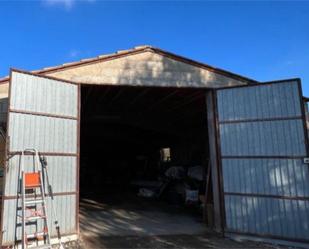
pixel 136 223
pixel 181 241
pixel 136 217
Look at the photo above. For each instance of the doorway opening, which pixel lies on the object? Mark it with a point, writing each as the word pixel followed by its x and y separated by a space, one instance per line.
pixel 144 160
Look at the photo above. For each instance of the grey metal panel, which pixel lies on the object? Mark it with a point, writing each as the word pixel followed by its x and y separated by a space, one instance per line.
pixel 282 177
pixel 279 217
pixel 280 138
pixel 65 208
pixel 46 134
pixel 266 124
pixel 51 96
pixel 259 102
pixel 61 172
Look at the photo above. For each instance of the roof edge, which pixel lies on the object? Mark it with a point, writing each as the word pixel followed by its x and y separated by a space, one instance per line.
pixel 203 65
pixel 137 50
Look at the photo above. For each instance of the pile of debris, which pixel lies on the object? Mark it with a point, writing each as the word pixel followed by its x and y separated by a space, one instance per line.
pixel 178 185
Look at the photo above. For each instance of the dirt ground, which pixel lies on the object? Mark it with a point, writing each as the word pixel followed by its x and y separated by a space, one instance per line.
pixel 168 241
pixel 141 224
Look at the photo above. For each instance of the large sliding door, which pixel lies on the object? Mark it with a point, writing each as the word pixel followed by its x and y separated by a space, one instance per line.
pixel 262 145
pixel 44 115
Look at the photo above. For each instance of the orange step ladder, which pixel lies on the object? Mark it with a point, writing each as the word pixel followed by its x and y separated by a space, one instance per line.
pixel 35 232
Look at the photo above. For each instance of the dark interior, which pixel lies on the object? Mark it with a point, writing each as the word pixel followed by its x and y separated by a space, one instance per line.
pixel 131 136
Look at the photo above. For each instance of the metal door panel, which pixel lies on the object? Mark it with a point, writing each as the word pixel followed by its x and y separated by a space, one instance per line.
pixel 43 114
pixel 262 145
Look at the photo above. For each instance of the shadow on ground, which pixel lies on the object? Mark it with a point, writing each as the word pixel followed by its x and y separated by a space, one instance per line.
pixel 167 241
pixel 135 223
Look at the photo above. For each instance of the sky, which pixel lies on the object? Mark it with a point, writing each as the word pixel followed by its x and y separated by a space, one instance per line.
pixel 263 40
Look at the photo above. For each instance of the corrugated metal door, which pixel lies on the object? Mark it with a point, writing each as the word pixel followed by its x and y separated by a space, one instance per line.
pixel 262 141
pixel 43 114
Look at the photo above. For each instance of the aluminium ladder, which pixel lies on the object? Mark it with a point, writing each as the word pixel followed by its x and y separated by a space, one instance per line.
pixel 34 214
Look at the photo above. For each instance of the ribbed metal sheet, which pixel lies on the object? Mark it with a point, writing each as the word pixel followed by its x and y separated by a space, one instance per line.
pixel 51 96
pixel 65 208
pixel 46 134
pixel 258 215
pixel 61 172
pixel 283 177
pixel 268 138
pixel 262 142
pixel 43 116
pixel 3 110
pixel 265 101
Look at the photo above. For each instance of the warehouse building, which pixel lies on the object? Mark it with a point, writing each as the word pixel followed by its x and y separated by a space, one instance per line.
pixel 128 128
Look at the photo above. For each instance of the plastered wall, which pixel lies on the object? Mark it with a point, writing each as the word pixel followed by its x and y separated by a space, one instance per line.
pixel 147 68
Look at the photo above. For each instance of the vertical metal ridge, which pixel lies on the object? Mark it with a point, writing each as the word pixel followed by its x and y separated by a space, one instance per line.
pixel 262 136
pixel 56 136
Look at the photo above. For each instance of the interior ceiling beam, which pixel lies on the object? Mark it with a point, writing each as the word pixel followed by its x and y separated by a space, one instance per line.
pixel 103 95
pixel 91 103
pixel 131 134
pixel 150 123
pixel 188 100
pixel 144 92
pixel 191 115
pixel 155 117
pixel 162 100
pixel 120 92
pixel 89 90
pixel 164 121
pixel 195 113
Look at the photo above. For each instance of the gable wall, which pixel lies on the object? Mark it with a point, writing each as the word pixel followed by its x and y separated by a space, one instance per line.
pixel 147 69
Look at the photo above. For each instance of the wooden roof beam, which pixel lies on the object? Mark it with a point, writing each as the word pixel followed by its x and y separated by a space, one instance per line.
pixel 189 100
pixel 120 92
pixel 162 100
pixel 138 97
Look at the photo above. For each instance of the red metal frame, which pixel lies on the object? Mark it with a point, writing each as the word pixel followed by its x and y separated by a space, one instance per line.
pixel 260 120
pixel 78 159
pixel 269 236
pixel 42 114
pixel 7 148
pixel 219 160
pixel 300 198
